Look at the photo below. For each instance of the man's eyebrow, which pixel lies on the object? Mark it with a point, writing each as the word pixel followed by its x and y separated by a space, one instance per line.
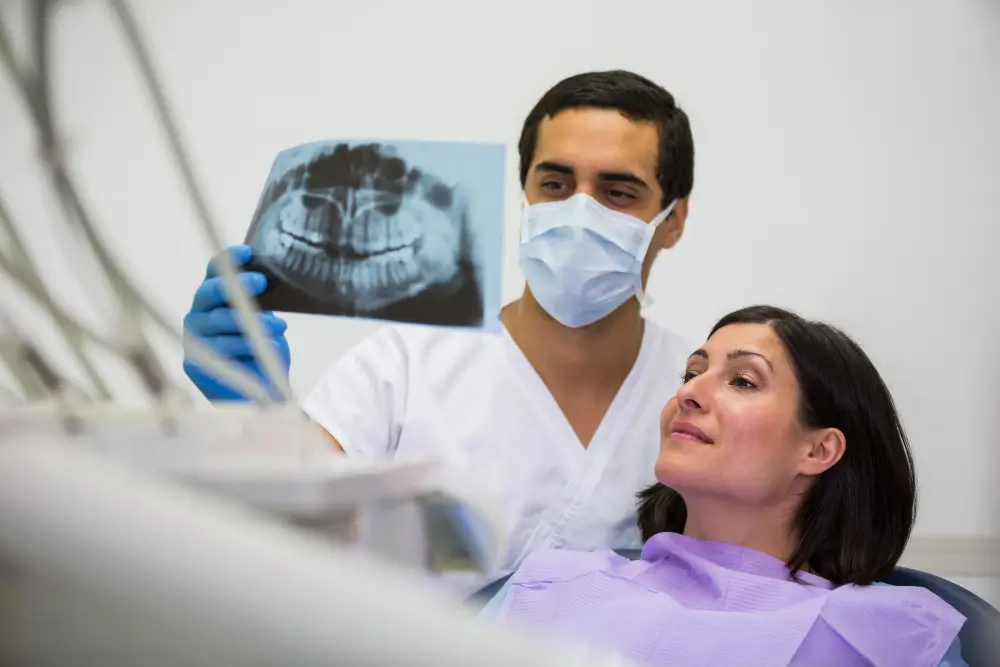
pixel 554 167
pixel 609 176
pixel 622 177
pixel 735 354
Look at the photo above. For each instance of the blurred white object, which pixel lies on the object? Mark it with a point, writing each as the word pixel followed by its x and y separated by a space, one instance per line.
pixel 275 460
pixel 104 562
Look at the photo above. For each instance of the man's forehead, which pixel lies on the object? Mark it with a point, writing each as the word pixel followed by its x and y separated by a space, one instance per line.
pixel 592 140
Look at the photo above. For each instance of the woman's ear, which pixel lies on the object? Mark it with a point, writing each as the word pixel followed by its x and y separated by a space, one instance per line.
pixel 825 448
pixel 673 226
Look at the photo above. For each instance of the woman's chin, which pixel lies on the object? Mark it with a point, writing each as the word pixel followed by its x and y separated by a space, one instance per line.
pixel 678 469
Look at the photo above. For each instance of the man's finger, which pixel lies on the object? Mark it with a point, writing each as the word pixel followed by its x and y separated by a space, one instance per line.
pixel 222 321
pixel 212 294
pixel 240 255
pixel 234 347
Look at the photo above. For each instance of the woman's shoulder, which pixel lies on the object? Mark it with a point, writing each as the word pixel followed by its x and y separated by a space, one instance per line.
pixel 910 601
pixel 868 616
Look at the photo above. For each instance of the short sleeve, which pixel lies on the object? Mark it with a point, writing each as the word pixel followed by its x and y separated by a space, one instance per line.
pixel 361 399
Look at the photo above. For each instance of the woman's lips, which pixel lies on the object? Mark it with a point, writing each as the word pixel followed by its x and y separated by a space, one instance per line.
pixel 690 432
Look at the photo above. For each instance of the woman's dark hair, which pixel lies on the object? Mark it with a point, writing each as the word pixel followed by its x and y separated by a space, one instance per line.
pixel 855 520
pixel 638 99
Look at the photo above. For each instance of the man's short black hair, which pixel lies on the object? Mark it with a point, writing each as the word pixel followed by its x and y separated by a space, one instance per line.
pixel 638 99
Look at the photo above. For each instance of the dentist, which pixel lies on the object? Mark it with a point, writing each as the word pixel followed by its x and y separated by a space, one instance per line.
pixel 558 417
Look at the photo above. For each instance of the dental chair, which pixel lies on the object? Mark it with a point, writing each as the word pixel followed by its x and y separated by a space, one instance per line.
pixel 979 637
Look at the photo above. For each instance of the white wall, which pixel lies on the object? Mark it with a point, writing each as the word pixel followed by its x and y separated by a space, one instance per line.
pixel 847 162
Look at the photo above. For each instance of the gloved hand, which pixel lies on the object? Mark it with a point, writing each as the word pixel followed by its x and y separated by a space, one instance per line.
pixel 215 324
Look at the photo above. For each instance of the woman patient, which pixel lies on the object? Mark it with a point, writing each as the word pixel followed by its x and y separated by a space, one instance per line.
pixel 786 489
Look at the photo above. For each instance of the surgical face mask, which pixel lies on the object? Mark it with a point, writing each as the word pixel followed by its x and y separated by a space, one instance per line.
pixel 583 260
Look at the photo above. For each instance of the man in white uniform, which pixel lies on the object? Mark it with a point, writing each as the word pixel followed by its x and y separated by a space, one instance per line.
pixel 558 417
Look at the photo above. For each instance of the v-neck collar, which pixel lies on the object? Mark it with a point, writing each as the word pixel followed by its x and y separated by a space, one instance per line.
pixel 551 416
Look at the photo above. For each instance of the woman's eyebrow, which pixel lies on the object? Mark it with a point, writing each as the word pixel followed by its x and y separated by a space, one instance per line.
pixel 735 354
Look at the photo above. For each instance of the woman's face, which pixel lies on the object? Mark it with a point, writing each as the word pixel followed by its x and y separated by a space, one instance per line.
pixel 731 432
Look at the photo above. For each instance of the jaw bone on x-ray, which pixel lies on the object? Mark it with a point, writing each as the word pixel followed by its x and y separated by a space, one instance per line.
pixel 405 231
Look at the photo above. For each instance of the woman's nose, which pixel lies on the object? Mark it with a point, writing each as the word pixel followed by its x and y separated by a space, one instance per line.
pixel 691 395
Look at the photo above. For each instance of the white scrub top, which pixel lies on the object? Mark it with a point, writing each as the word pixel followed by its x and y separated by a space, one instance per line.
pixel 473 400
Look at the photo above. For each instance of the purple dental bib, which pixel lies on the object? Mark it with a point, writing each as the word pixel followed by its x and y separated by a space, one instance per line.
pixel 690 602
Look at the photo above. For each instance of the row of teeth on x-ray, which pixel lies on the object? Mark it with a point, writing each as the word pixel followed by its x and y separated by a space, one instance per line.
pixel 355 226
pixel 366 283
pixel 350 224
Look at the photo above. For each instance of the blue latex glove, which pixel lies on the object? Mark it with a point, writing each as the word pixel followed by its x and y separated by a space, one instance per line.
pixel 215 324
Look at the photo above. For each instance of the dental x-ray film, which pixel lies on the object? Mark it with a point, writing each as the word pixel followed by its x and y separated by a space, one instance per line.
pixel 409 231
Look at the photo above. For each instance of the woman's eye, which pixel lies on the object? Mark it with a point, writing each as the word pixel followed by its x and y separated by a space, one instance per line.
pixel 743 382
pixel 687 375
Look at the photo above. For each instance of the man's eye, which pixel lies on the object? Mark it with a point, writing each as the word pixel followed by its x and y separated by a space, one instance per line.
pixel 620 194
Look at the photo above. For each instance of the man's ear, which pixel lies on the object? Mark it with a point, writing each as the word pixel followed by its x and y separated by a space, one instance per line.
pixel 826 447
pixel 672 228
